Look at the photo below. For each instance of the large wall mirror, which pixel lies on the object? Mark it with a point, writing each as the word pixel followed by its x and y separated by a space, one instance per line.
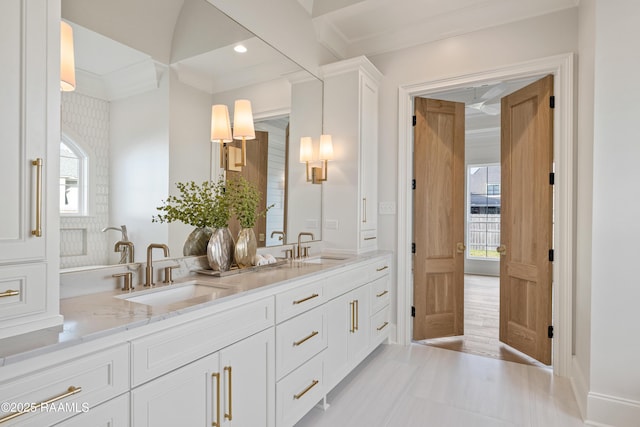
pixel 148 72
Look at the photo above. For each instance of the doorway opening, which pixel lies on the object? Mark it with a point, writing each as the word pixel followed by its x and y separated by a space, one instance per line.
pixel 480 332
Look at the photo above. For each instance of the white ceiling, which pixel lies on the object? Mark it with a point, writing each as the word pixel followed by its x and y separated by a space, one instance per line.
pixel 369 27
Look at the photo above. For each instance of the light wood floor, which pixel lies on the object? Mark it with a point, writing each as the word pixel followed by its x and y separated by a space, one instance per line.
pixel 418 385
pixel 481 323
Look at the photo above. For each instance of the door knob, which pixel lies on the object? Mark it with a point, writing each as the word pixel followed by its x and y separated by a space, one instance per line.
pixel 502 250
pixel 460 247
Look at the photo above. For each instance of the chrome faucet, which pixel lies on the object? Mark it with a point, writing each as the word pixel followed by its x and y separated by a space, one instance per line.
pixel 303 233
pixel 126 247
pixel 149 270
pixel 282 237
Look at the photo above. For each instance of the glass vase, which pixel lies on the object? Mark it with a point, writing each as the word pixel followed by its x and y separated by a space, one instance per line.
pixel 246 248
pixel 220 249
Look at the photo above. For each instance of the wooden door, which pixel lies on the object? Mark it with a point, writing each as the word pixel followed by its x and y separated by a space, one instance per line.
pixel 255 171
pixel 526 219
pixel 438 216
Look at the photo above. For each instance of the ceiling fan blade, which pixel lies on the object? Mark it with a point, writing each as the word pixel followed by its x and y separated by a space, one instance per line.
pixel 495 92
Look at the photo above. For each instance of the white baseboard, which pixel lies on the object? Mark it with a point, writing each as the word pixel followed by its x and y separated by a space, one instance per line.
pixel 605 410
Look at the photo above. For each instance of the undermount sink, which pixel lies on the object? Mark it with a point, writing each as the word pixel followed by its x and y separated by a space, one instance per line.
pixel 324 259
pixel 177 293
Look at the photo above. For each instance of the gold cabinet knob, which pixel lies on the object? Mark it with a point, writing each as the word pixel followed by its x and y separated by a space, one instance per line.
pixel 502 250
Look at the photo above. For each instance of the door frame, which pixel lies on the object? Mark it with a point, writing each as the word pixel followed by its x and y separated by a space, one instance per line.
pixel 562 67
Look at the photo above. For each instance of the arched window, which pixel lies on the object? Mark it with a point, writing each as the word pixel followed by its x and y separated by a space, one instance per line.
pixel 73 178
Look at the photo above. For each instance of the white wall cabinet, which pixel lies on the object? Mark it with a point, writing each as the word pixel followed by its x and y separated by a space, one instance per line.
pixel 351 116
pixel 232 387
pixel 29 135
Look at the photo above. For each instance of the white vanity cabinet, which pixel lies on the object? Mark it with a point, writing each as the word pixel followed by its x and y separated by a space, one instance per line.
pixel 350 203
pixel 61 391
pixel 114 413
pixel 232 387
pixel 30 140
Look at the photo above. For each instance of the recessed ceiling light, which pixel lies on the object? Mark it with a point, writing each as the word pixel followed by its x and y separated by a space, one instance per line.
pixel 240 48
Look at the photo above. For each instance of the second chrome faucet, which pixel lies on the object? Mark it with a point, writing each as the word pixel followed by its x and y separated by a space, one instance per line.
pixel 149 270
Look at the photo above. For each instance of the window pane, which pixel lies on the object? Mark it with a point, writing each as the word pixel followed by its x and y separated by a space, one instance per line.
pixel 69 177
pixel 483 228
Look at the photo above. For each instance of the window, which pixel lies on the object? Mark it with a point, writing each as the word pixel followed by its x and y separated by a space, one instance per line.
pixel 73 185
pixel 483 217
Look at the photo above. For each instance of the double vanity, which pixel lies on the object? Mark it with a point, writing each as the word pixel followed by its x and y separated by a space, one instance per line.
pixel 255 349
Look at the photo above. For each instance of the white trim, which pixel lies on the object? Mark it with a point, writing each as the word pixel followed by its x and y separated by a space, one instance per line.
pixel 605 410
pixel 562 67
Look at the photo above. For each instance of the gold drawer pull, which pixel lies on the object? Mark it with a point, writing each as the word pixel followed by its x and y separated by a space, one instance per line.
pixel 216 423
pixel 305 339
pixel 300 301
pixel 352 327
pixel 382 268
pixel 384 325
pixel 38 164
pixel 303 392
pixel 381 294
pixel 229 416
pixel 370 238
pixel 357 310
pixel 9 293
pixel 33 408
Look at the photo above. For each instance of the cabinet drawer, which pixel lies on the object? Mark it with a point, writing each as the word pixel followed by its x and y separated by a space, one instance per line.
pixel 114 413
pixel 368 239
pixel 380 325
pixel 298 392
pixel 164 351
pixel 22 290
pixel 85 383
pixel 298 300
pixel 380 294
pixel 299 339
pixel 380 268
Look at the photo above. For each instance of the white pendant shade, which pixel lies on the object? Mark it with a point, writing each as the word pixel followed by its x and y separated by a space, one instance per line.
pixel 326 148
pixel 220 124
pixel 306 149
pixel 243 120
pixel 67 61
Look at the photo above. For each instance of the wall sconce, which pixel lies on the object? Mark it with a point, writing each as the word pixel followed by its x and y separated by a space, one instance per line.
pixel 316 175
pixel 243 127
pixel 67 61
pixel 221 130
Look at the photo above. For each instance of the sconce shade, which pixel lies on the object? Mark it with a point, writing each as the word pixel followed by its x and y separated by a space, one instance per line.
pixel 220 124
pixel 67 62
pixel 326 148
pixel 306 149
pixel 243 120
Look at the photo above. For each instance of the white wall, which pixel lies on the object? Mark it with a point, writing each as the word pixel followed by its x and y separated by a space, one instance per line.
pixel 615 318
pixel 584 155
pixel 534 38
pixel 140 164
pixel 189 147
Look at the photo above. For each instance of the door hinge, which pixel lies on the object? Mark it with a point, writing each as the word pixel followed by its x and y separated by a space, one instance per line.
pixel 551 254
pixel 413 311
pixel 413 184
pixel 550 331
pixel 552 178
pixel 552 102
pixel 413 248
pixel 414 120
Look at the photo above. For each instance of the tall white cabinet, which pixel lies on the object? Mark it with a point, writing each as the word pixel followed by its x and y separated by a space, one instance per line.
pixel 29 146
pixel 350 203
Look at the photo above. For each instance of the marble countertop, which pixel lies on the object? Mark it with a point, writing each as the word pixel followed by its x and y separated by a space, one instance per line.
pixel 89 317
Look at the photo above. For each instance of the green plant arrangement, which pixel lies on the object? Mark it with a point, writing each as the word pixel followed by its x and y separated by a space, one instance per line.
pixel 244 199
pixel 204 205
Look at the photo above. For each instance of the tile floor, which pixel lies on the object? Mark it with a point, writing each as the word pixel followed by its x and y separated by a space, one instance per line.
pixel 417 385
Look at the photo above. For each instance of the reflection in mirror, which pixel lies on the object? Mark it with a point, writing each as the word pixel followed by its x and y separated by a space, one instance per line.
pixel 146 80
